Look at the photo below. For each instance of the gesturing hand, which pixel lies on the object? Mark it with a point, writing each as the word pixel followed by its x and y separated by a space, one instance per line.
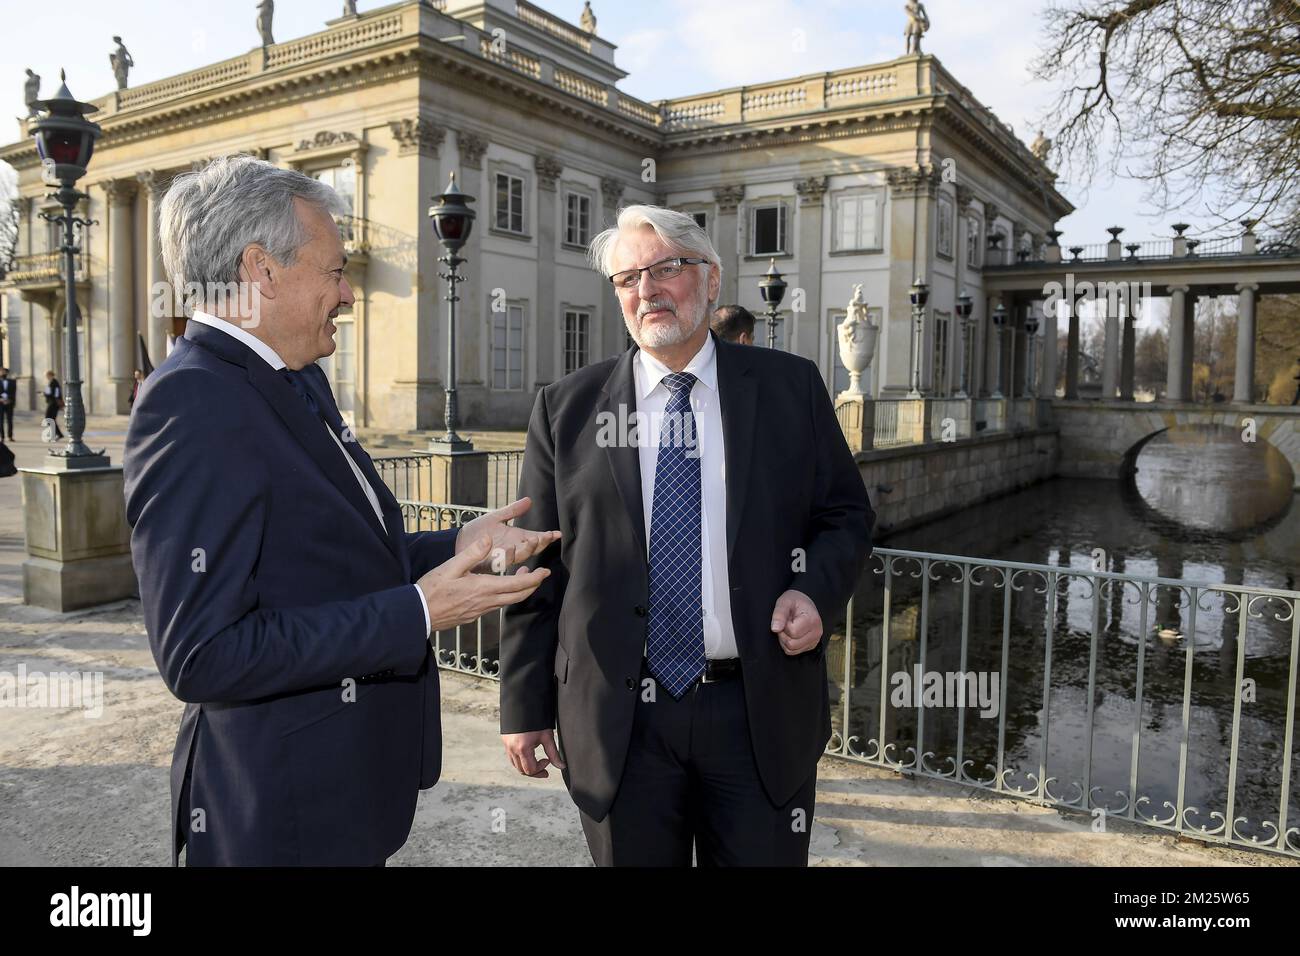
pixel 456 595
pixel 796 622
pixel 509 545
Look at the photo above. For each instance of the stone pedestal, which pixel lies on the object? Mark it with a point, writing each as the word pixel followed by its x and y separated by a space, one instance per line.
pixel 459 477
pixel 914 421
pixel 857 417
pixel 78 541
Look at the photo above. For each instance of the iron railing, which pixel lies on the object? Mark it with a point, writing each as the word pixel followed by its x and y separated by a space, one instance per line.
pixel 410 477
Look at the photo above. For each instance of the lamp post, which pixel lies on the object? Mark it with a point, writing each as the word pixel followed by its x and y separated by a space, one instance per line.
pixel 999 320
pixel 65 141
pixel 963 313
pixel 772 288
pixel 452 222
pixel 919 295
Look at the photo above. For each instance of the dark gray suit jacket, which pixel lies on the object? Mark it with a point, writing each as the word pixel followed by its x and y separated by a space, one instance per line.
pixel 571 653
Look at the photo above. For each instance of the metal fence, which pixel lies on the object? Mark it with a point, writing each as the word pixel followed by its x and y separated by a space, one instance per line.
pixel 411 477
pixel 1163 702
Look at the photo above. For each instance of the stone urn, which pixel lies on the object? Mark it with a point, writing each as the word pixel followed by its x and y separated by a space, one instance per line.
pixel 857 338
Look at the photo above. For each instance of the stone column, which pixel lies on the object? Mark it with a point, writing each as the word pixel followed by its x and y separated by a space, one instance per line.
pixel 1178 344
pixel 1243 389
pixel 549 330
pixel 1128 355
pixel 911 197
pixel 159 296
pixel 729 199
pixel 1051 337
pixel 1072 353
pixel 804 333
pixel 121 309
pixel 1110 356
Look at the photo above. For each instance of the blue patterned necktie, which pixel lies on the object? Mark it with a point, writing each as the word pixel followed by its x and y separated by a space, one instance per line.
pixel 675 642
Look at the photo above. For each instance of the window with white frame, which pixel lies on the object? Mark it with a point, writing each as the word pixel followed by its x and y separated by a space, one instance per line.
pixel 767 230
pixel 510 203
pixel 341 367
pixel 343 179
pixel 943 234
pixel 939 360
pixel 508 348
pixel 577 219
pixel 577 325
pixel 974 248
pixel 857 221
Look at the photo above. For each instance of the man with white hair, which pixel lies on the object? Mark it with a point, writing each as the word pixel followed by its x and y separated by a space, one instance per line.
pixel 678 647
pixel 284 602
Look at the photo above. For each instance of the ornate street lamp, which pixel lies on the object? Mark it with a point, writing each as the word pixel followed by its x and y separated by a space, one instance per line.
pixel 999 320
pixel 1031 329
pixel 963 313
pixel 65 141
pixel 452 222
pixel 772 288
pixel 919 295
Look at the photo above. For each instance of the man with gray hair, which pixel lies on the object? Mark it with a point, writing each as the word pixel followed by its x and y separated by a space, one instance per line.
pixel 283 600
pixel 678 647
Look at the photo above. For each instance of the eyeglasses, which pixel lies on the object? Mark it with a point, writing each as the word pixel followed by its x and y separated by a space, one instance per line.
pixel 666 269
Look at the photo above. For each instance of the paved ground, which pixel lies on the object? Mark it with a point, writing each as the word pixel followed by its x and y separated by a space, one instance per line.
pixel 93 791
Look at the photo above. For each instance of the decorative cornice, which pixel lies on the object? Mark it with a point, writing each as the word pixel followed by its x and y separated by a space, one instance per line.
pixel 909 182
pixel 120 192
pixel 612 191
pixel 811 190
pixel 418 135
pixel 472 147
pixel 548 170
pixel 325 138
pixel 729 197
pixel 965 196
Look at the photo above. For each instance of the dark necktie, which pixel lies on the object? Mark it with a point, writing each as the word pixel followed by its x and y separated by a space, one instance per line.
pixel 675 637
pixel 300 386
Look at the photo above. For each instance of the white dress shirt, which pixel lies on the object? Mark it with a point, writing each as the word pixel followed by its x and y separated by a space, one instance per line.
pixel 268 355
pixel 652 401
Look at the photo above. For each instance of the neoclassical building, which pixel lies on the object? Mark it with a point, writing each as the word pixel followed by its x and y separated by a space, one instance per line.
pixel 869 176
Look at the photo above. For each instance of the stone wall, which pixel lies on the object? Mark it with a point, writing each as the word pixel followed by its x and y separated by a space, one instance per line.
pixel 934 479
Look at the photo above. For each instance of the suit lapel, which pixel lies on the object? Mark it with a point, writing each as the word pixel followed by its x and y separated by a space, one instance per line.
pixel 392 512
pixel 619 394
pixel 306 428
pixel 738 396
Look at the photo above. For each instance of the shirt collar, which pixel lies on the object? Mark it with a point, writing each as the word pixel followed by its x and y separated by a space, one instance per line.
pixel 703 366
pixel 264 351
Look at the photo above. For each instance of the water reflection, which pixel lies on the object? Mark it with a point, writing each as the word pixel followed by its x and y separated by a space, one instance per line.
pixel 1205 477
pixel 1111 645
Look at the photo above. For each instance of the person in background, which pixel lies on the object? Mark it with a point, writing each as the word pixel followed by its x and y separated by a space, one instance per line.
pixel 734 323
pixel 53 402
pixel 135 387
pixel 8 396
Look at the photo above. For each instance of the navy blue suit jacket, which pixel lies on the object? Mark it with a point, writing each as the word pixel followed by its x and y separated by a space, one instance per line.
pixel 267 583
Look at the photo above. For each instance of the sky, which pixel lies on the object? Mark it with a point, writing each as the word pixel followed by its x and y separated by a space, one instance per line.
pixel 670 48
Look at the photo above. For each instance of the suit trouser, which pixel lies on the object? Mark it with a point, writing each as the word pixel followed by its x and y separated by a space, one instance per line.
pixel 691 778
pixel 7 420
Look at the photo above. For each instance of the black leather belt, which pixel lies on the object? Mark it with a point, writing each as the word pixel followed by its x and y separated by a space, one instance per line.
pixel 720 670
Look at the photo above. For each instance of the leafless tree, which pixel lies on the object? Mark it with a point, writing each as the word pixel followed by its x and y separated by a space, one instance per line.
pixel 1199 98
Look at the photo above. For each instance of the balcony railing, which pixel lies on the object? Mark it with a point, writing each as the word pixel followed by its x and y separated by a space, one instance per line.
pixel 43 270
